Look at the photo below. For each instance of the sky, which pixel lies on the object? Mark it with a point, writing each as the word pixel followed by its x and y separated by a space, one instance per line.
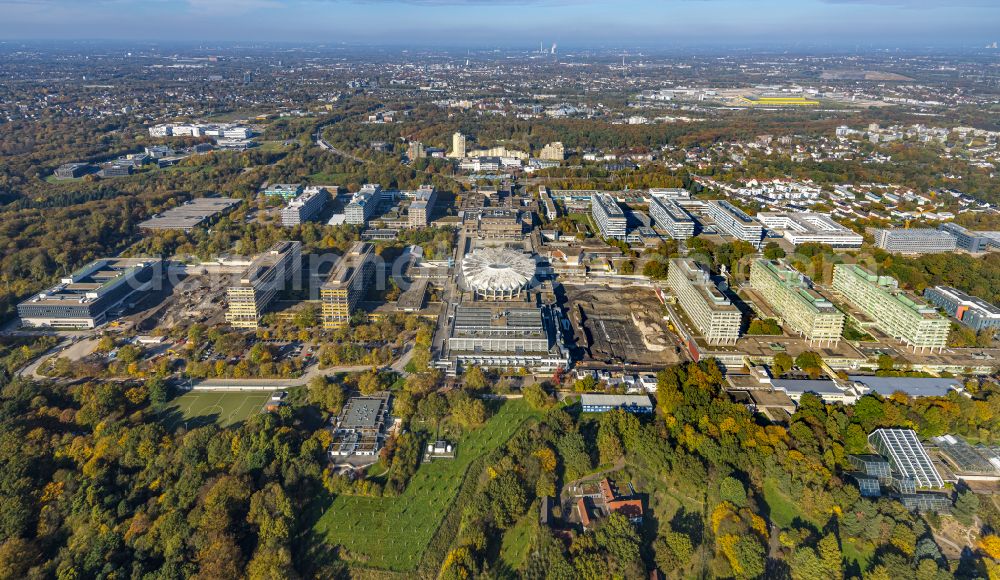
pixel 509 23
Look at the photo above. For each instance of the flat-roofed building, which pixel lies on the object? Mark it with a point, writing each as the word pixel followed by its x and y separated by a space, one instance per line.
pixel 502 335
pixel 713 314
pixel 608 216
pixel 267 274
pixel 914 241
pixel 190 214
pixel 907 456
pixel 88 297
pixel 793 298
pixel 71 170
pixel 971 311
pixel 348 283
pixel 734 221
pixel 284 190
pixel 494 223
pixel 422 207
pixel 553 151
pixel 966 239
pixel 894 312
pixel 671 217
pixel 360 428
pixel 363 204
pixel 674 193
pixel 304 207
pixel 807 227
pixel 601 403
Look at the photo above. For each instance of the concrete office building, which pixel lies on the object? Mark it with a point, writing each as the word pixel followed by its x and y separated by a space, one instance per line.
pixel 88 297
pixel 422 207
pixel 914 241
pixel 348 283
pixel 416 150
pixel 457 146
pixel 71 170
pixel 260 283
pixel 494 223
pixel 553 151
pixel 712 313
pixel 674 193
pixel 363 204
pixel 503 336
pixel 796 302
pixel 601 403
pixel 190 214
pixel 801 228
pixel 608 216
pixel 894 312
pixel 304 207
pixel 734 221
pixel 117 170
pixel 965 239
pixel 671 217
pixel 971 311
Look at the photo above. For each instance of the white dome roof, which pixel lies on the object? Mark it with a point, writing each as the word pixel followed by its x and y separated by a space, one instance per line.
pixel 497 270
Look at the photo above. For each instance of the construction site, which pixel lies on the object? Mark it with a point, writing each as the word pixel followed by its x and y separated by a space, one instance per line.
pixel 620 326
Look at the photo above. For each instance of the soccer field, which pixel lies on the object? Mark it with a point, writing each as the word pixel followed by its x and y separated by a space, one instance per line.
pixel 198 408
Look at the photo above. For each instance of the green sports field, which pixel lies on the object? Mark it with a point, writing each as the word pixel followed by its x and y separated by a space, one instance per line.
pixel 393 532
pixel 197 408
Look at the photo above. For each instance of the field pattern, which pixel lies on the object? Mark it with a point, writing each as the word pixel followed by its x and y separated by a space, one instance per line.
pixel 197 408
pixel 393 532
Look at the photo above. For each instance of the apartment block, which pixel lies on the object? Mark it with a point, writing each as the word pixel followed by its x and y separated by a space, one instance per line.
pixel 971 311
pixel 260 283
pixel 713 314
pixel 304 207
pixel 671 217
pixel 894 312
pixel 608 216
pixel 914 241
pixel 734 221
pixel 348 283
pixel 800 306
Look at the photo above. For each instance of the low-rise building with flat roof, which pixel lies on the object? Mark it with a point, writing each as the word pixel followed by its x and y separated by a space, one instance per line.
pixel 807 227
pixel 87 297
pixel 190 214
pixel 601 403
pixel 284 190
pixel 361 427
pixel 971 311
pixel 260 283
pixel 709 309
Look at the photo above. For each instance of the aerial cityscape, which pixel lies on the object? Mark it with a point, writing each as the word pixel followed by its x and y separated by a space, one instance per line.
pixel 287 293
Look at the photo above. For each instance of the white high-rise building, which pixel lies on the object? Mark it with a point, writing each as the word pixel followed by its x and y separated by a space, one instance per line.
pixel 457 146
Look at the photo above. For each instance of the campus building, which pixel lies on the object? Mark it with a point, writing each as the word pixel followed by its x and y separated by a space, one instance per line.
pixel 260 283
pixel 361 427
pixel 608 216
pixel 734 221
pixel 712 313
pixel 349 282
pixel 914 241
pixel 601 403
pixel 503 335
pixel 796 302
pixel 801 228
pixel 363 204
pixel 908 458
pixel 457 146
pixel 304 207
pixel 894 312
pixel 422 207
pixel 971 311
pixel 88 297
pixel 284 190
pixel 553 152
pixel 968 240
pixel 670 216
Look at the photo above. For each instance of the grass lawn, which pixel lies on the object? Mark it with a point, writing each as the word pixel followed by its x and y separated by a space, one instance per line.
pixel 393 532
pixel 783 510
pixel 857 551
pixel 197 408
pixel 517 540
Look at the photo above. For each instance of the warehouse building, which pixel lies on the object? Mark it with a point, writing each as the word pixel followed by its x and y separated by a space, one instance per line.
pixel 713 314
pixel 671 217
pixel 894 312
pixel 801 307
pixel 819 228
pixel 971 311
pixel 261 282
pixel 608 216
pixel 349 282
pixel 734 221
pixel 914 241
pixel 88 297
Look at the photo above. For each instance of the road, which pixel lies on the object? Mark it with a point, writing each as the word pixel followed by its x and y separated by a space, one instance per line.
pixel 31 370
